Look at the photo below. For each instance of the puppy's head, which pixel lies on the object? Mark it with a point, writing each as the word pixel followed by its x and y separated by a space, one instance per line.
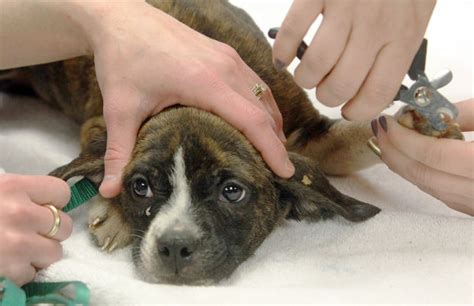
pixel 200 199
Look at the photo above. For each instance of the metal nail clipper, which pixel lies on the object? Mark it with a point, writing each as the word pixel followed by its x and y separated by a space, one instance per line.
pixel 424 96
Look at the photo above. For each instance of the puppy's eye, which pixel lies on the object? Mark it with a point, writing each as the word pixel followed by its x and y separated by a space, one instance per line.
pixel 232 193
pixel 141 188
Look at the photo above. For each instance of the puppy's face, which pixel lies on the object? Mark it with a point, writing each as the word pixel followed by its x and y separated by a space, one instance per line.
pixel 198 196
pixel 200 199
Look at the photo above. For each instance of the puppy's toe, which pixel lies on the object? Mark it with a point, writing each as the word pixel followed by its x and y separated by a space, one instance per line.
pixel 107 226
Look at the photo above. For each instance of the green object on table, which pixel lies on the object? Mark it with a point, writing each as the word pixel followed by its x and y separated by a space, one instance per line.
pixel 61 293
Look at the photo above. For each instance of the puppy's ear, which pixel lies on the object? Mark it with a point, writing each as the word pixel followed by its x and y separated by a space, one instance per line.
pixel 309 195
pixel 90 162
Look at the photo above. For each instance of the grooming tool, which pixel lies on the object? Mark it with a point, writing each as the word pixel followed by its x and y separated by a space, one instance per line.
pixel 62 293
pixel 423 95
pixel 81 192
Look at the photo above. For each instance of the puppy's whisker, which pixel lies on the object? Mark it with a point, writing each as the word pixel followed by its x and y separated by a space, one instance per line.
pixel 137 236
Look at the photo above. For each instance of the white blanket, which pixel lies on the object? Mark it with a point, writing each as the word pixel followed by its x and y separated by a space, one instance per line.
pixel 415 251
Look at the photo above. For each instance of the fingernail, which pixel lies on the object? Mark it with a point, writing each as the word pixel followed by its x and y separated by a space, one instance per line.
pixel 301 50
pixel 344 117
pixel 272 33
pixel 374 126
pixel 282 137
pixel 290 167
pixel 279 65
pixel 383 123
pixel 110 178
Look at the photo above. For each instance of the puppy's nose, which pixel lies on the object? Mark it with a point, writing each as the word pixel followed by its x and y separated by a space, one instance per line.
pixel 176 249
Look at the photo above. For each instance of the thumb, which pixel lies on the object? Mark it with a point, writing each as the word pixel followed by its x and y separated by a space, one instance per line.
pixel 122 122
pixel 466 114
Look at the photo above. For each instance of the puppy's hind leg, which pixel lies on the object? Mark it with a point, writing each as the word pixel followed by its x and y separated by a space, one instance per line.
pixel 340 149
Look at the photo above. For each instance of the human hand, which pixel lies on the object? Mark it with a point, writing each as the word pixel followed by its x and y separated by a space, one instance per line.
pixel 443 168
pixel 360 53
pixel 24 222
pixel 146 61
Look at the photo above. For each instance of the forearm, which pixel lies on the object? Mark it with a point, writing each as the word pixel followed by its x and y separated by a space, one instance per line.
pixel 39 31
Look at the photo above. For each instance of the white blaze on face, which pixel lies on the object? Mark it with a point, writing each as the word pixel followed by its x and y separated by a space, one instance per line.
pixel 177 213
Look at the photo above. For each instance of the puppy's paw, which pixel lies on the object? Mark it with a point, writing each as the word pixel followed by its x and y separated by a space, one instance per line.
pixel 410 118
pixel 107 226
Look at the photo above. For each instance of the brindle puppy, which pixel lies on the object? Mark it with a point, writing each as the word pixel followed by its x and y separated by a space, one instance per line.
pixel 197 197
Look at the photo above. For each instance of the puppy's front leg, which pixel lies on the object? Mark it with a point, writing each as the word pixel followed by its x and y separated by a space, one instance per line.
pixel 106 222
pixel 107 225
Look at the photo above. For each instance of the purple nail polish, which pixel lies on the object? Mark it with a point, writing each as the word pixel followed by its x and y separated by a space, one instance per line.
pixel 383 123
pixel 282 137
pixel 272 33
pixel 375 127
pixel 301 50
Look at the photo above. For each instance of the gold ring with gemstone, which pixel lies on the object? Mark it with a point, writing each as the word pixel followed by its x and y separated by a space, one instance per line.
pixel 258 90
pixel 57 221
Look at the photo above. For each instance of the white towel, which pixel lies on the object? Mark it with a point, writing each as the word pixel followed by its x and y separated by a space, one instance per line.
pixel 415 251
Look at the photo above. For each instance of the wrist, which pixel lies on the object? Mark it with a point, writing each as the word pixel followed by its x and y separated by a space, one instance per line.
pixel 97 19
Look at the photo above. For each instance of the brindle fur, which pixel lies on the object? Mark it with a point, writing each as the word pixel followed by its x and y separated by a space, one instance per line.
pixel 213 150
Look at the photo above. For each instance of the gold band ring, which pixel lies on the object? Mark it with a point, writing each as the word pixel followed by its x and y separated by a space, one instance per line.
pixel 258 90
pixel 57 221
pixel 375 148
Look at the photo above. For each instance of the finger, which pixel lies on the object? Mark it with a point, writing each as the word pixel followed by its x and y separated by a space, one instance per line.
pixel 350 71
pixel 20 274
pixel 447 155
pixel 275 113
pixel 36 218
pixel 44 251
pixel 245 116
pixel 381 84
pixel 44 218
pixel 266 101
pixel 325 49
pixel 123 119
pixel 43 189
pixel 466 114
pixel 265 140
pixel 245 88
pixel 419 174
pixel 298 20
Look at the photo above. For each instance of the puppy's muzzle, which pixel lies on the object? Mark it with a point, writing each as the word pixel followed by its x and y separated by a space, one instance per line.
pixel 176 248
